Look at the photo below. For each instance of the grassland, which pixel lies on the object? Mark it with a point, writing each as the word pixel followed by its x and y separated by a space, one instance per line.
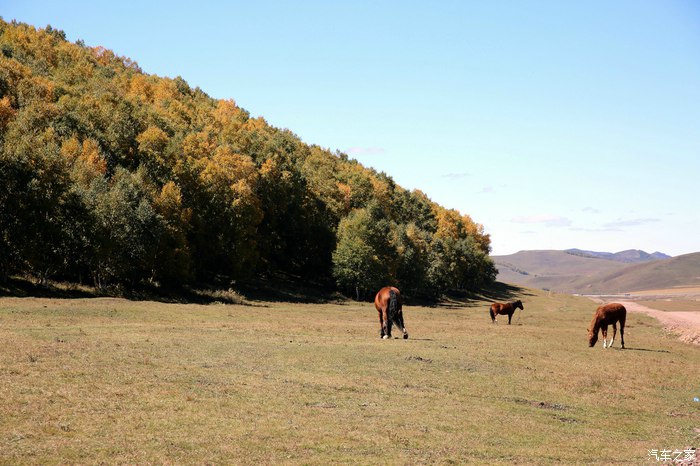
pixel 673 305
pixel 117 381
pixel 673 300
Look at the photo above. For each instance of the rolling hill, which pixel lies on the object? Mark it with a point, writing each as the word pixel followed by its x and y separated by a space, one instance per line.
pixel 628 256
pixel 666 273
pixel 576 271
pixel 121 178
pixel 549 269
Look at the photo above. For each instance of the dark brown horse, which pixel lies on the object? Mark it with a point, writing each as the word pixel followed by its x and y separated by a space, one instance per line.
pixel 390 308
pixel 608 314
pixel 505 309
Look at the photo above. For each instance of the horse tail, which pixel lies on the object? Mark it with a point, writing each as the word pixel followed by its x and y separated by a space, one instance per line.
pixel 393 304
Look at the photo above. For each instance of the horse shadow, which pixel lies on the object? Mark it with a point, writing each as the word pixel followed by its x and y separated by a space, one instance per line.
pixel 643 349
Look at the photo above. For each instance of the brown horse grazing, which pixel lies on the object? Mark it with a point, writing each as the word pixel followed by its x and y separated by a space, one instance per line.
pixel 390 308
pixel 503 309
pixel 608 314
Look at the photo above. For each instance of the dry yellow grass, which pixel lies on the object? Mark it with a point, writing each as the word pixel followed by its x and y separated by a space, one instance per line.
pixel 693 291
pixel 115 381
pixel 673 305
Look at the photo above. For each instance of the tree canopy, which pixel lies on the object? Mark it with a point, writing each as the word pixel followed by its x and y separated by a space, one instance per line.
pixel 116 176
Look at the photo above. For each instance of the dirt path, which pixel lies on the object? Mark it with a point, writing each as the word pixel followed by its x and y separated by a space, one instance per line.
pixel 685 324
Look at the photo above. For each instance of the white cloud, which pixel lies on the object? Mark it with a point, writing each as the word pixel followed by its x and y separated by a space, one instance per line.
pixel 596 230
pixel 456 176
pixel 630 223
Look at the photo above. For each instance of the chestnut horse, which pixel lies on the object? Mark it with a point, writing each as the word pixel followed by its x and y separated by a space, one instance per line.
pixel 505 309
pixel 608 314
pixel 390 308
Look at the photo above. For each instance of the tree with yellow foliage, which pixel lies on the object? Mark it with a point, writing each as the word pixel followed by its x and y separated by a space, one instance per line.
pixel 132 179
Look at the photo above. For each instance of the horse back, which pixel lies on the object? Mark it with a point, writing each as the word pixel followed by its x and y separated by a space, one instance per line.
pixel 611 313
pixel 381 300
pixel 504 308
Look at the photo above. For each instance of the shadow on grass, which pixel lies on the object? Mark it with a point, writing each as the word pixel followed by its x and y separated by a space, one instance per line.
pixel 274 288
pixel 460 299
pixel 643 349
pixel 503 291
pixel 27 288
pixel 288 289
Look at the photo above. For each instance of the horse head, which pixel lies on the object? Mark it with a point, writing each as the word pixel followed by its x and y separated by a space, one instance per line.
pixel 592 338
pixel 519 304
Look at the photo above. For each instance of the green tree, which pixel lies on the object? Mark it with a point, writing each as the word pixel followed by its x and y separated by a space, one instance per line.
pixel 154 154
pixel 364 259
pixel 413 256
pixel 42 218
pixel 173 261
pixel 127 229
pixel 296 234
pixel 226 214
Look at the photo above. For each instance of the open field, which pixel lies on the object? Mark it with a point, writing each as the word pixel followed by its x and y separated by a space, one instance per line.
pixel 116 381
pixel 677 309
pixel 682 291
pixel 672 305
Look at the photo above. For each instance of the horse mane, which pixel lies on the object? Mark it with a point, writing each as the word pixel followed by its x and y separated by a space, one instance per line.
pixel 595 326
pixel 595 323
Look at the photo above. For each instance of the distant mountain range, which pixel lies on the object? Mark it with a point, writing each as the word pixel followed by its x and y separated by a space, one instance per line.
pixel 628 256
pixel 591 272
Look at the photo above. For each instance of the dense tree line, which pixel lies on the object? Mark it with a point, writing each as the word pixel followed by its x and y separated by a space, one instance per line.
pixel 112 176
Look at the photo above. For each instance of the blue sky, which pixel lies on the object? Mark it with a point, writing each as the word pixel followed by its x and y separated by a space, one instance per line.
pixel 555 124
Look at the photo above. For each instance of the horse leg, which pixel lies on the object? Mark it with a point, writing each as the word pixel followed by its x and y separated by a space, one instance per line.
pixel 387 325
pixel 604 331
pixel 622 332
pixel 493 316
pixel 614 333
pixel 399 322
pixel 510 316
pixel 381 325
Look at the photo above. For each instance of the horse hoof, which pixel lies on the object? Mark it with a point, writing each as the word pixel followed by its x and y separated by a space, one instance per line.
pixel 385 337
pixel 405 336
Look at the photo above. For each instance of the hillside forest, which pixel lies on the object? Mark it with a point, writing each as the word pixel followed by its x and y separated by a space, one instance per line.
pixel 110 176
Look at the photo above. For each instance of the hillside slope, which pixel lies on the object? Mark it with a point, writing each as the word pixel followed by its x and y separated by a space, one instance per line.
pixel 667 273
pixel 122 178
pixel 628 256
pixel 549 269
pixel 582 273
